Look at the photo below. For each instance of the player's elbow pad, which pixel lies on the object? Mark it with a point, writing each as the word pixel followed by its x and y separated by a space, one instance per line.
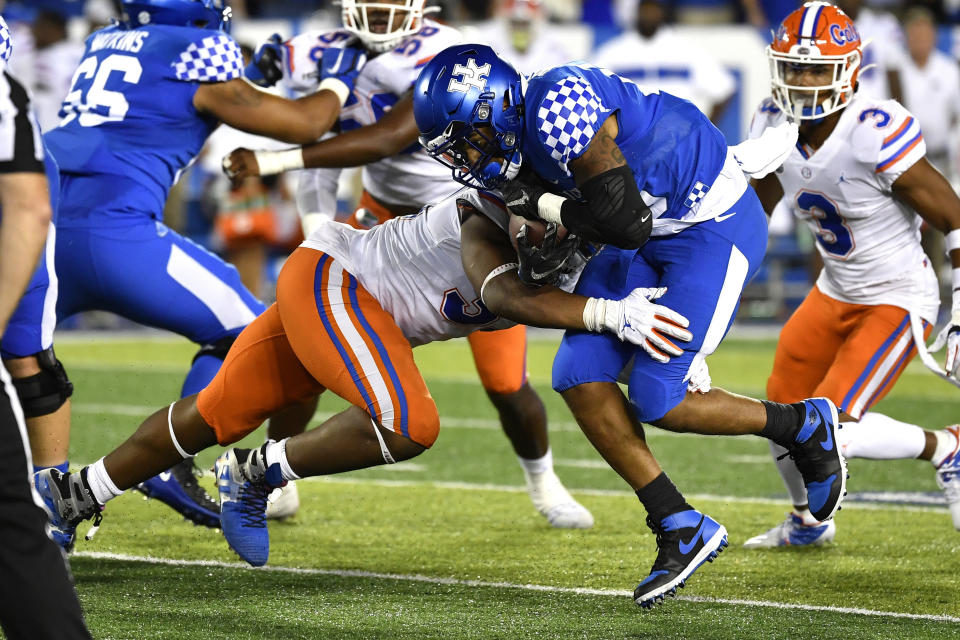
pixel 614 212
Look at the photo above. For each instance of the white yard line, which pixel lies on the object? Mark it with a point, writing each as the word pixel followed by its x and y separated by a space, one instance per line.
pixel 345 573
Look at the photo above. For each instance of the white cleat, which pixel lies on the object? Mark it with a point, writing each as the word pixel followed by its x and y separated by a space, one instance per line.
pixel 555 503
pixel 283 502
pixel 948 478
pixel 794 532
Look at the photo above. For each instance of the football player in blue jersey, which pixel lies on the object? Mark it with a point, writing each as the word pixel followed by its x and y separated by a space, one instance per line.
pixel 148 92
pixel 648 175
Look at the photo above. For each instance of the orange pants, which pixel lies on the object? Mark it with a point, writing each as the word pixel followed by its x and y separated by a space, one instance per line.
pixel 500 356
pixel 849 353
pixel 324 332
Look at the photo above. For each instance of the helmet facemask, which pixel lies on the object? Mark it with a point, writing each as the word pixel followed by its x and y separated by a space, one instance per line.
pixel 481 155
pixel 383 25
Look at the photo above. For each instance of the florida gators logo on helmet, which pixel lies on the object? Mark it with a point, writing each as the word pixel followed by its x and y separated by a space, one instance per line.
pixel 821 41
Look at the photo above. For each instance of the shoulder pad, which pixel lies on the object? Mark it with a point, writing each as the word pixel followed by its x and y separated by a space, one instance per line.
pixel 212 58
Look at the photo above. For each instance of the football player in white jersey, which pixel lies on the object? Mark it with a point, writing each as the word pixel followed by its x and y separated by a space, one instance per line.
pixel 859 179
pixel 350 306
pixel 379 133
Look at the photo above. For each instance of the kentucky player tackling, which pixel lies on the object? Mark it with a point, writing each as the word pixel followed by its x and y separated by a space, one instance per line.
pixel 379 133
pixel 859 180
pixel 145 97
pixel 351 305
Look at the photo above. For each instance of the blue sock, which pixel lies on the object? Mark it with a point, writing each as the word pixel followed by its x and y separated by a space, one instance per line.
pixel 201 373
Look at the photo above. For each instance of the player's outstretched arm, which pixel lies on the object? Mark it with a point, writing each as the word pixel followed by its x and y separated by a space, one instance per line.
pixel 614 211
pixel 931 196
pixel 490 263
pixel 391 134
pixel 243 106
pixel 26 216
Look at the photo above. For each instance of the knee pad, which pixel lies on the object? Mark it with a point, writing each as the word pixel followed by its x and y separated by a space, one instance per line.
pixel 43 393
pixel 216 349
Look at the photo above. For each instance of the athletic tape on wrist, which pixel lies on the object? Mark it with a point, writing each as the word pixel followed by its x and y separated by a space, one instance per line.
pixel 548 206
pixel 339 87
pixel 273 162
pixel 593 314
pixel 493 274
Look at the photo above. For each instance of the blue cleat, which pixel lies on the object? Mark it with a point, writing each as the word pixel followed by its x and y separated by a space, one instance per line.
pixel 794 532
pixel 69 500
pixel 178 489
pixel 242 483
pixel 685 541
pixel 818 458
pixel 948 477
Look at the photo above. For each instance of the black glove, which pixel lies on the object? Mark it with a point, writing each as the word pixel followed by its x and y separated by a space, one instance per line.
pixel 266 67
pixel 547 263
pixel 521 198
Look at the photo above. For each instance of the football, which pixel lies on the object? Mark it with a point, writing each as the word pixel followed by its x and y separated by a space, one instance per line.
pixel 535 230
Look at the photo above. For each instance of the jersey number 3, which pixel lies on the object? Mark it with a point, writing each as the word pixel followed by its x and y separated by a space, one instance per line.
pixel 89 100
pixel 456 309
pixel 834 234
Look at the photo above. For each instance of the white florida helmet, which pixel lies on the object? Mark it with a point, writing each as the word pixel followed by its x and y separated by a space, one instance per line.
pixel 382 24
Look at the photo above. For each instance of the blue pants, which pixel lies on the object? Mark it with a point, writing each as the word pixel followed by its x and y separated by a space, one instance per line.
pixel 30 329
pixel 704 268
pixel 139 268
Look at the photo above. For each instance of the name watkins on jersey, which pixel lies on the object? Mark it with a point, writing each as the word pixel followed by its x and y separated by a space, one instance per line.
pixel 470 76
pixel 131 41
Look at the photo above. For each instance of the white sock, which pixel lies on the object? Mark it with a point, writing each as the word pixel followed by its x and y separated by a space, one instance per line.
pixel 276 453
pixel 538 465
pixel 792 479
pixel 946 444
pixel 880 437
pixel 806 517
pixel 101 485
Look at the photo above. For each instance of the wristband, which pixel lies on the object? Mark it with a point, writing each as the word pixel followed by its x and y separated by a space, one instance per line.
pixel 594 313
pixel 493 274
pixel 955 288
pixel 273 162
pixel 339 87
pixel 548 206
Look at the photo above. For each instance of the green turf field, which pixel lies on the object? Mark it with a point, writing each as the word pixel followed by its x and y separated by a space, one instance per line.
pixel 448 545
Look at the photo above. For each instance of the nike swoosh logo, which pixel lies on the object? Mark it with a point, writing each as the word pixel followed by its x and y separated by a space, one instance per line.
pixel 519 202
pixel 722 218
pixel 687 547
pixel 828 443
pixel 645 218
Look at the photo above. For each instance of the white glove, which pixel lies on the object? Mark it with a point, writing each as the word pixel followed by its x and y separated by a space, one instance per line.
pixel 950 336
pixel 760 156
pixel 637 320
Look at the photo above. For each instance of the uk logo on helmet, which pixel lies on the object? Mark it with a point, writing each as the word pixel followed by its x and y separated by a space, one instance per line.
pixel 470 76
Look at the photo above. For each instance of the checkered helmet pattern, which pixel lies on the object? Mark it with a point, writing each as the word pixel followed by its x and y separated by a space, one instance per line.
pixel 216 58
pixel 6 46
pixel 568 118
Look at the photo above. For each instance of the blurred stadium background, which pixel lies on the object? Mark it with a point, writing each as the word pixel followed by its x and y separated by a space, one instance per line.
pixel 711 51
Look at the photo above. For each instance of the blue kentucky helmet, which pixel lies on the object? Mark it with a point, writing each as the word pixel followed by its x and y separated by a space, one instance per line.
pixel 468 104
pixel 205 14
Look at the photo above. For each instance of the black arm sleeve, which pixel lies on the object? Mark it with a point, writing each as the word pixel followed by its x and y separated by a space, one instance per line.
pixel 21 149
pixel 614 212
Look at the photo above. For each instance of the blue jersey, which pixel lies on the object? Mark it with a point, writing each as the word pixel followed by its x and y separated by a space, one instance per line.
pixel 674 151
pixel 128 124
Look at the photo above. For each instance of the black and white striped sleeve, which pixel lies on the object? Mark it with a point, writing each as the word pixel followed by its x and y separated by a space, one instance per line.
pixel 21 147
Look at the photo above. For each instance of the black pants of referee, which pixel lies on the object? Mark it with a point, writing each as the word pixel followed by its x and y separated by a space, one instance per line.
pixel 37 598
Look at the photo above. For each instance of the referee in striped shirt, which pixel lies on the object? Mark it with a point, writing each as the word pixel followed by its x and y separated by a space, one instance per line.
pixel 37 599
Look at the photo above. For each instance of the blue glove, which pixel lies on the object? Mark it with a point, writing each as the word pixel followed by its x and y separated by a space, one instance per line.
pixel 343 64
pixel 266 68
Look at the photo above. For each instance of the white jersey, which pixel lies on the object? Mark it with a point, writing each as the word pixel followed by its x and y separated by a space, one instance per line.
pixel 670 63
pixel 412 266
pixel 868 239
pixel 411 178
